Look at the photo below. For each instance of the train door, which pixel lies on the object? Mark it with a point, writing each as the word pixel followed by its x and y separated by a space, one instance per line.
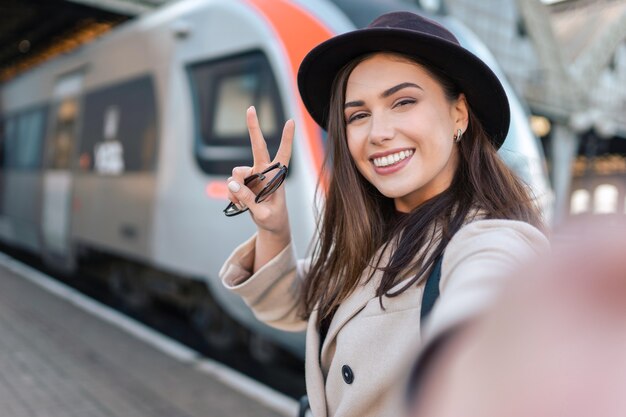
pixel 57 179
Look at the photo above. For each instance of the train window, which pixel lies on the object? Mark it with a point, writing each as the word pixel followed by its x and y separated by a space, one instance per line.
pixel 119 128
pixel 222 90
pixel 9 137
pixel 64 134
pixel 234 95
pixel 23 140
pixel 30 133
pixel 2 140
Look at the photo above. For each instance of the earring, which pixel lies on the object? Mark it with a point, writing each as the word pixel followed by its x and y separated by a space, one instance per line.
pixel 459 134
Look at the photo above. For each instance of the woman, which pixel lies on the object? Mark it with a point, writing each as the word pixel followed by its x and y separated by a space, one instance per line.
pixel 414 122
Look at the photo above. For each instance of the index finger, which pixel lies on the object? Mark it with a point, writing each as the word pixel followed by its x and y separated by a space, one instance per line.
pixel 260 153
pixel 284 150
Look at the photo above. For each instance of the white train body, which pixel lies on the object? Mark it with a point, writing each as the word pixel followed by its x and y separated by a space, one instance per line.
pixel 123 146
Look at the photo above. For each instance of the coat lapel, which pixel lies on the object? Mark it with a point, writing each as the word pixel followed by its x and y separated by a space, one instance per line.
pixel 362 294
pixel 313 373
pixel 355 302
pixel 348 309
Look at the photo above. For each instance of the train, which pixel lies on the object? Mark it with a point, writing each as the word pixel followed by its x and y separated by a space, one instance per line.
pixel 115 156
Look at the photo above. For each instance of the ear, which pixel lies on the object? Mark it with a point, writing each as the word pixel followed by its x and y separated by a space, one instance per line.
pixel 460 112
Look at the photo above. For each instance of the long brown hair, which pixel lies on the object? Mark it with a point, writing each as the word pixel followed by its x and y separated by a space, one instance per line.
pixel 357 219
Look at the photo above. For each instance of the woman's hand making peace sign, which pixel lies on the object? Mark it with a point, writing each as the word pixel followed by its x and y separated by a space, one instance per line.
pixel 270 215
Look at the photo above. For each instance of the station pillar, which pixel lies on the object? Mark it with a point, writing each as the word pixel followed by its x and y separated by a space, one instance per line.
pixel 564 146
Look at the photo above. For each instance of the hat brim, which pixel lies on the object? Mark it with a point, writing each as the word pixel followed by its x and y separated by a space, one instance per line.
pixel 481 86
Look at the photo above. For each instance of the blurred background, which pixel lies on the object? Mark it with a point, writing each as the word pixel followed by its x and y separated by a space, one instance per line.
pixel 121 119
pixel 565 58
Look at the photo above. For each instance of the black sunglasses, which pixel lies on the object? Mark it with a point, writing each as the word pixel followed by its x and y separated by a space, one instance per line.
pixel 267 190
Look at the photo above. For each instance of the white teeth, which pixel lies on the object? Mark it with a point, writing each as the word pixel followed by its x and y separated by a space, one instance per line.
pixel 392 159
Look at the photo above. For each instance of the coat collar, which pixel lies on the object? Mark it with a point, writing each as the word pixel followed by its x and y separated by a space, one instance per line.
pixel 365 291
pixel 356 301
pixel 316 360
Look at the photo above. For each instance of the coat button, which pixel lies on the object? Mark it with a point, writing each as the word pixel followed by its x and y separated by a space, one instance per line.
pixel 348 375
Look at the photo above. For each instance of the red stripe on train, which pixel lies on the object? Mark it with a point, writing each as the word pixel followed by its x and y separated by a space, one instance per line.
pixel 299 32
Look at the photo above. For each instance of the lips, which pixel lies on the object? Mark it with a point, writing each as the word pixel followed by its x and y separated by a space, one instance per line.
pixel 387 159
pixel 386 163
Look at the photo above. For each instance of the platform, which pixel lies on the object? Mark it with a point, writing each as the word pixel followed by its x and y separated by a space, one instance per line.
pixel 59 360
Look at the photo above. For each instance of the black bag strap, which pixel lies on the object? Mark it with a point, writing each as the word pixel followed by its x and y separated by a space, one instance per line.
pixel 431 289
pixel 303 406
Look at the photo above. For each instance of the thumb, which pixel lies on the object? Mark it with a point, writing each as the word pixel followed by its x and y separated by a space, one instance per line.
pixel 243 193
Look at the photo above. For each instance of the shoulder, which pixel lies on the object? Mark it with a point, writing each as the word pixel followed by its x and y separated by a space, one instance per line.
pixel 478 260
pixel 484 250
pixel 496 236
pixel 499 229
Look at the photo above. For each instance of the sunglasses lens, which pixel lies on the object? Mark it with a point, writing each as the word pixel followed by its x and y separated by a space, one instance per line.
pixel 257 183
pixel 233 210
pixel 253 182
pixel 271 186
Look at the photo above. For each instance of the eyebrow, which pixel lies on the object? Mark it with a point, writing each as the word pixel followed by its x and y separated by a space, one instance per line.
pixel 384 94
pixel 397 88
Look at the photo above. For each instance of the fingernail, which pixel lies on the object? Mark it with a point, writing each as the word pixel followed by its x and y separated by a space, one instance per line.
pixel 234 186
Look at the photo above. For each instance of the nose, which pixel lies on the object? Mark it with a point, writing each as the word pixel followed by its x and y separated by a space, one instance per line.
pixel 381 129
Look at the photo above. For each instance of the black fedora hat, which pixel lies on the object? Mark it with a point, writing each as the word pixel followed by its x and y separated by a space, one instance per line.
pixel 413 35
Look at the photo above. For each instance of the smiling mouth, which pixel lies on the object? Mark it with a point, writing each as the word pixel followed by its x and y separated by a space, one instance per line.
pixel 392 159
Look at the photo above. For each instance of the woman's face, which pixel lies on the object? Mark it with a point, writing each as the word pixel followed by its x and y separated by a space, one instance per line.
pixel 400 128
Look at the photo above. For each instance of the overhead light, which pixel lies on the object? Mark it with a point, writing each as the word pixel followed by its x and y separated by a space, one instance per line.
pixel 433 6
pixel 540 125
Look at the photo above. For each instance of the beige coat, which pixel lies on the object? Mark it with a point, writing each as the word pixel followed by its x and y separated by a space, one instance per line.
pixel 368 352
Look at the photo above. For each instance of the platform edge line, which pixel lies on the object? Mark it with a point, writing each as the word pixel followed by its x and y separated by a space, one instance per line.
pixel 249 387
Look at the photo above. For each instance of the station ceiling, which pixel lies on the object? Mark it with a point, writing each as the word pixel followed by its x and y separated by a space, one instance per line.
pixel 32 31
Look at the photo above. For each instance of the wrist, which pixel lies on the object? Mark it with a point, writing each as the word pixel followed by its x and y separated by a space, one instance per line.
pixel 281 238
